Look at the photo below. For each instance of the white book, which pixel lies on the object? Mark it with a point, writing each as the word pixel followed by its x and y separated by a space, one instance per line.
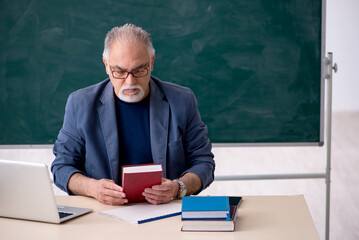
pixel 144 212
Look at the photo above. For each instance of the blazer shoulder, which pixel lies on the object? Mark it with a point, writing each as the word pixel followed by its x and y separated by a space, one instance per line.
pixel 91 95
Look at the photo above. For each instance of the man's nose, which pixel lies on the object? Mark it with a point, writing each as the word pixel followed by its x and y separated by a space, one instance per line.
pixel 130 80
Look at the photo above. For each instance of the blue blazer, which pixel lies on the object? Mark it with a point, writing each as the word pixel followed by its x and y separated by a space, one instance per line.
pixel 88 141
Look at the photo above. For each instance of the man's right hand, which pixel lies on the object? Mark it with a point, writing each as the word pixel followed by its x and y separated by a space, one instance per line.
pixel 108 192
pixel 105 191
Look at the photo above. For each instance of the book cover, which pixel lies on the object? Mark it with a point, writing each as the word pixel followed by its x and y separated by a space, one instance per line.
pixel 214 225
pixel 202 207
pixel 135 178
pixel 144 212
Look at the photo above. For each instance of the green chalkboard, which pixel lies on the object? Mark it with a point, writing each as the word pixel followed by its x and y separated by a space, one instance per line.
pixel 254 65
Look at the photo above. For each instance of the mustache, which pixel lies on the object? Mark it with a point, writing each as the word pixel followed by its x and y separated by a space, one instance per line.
pixel 136 86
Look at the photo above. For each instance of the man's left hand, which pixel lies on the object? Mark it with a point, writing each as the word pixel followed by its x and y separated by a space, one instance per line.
pixel 161 193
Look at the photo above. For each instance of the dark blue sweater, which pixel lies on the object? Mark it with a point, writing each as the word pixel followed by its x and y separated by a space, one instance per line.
pixel 134 132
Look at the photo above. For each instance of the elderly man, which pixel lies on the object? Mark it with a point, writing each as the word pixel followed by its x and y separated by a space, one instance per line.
pixel 132 118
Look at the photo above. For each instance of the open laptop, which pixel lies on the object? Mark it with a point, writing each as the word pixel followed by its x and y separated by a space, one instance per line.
pixel 26 193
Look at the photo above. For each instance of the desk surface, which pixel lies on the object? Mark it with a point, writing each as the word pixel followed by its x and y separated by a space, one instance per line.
pixel 259 217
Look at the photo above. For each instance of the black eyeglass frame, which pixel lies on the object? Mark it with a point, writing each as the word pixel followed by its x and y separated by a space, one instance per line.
pixel 133 73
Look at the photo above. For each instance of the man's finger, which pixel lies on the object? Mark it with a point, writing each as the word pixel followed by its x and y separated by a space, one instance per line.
pixel 109 189
pixel 162 187
pixel 114 200
pixel 110 184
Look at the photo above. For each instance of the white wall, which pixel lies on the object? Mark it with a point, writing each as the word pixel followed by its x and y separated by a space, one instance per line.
pixel 342 38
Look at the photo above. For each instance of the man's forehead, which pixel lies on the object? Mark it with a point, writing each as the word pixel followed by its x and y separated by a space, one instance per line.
pixel 128 55
pixel 129 50
pixel 123 45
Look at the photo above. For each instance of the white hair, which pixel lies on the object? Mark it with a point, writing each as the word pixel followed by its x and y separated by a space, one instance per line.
pixel 127 34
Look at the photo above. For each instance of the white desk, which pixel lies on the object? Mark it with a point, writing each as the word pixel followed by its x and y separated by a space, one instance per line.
pixel 259 217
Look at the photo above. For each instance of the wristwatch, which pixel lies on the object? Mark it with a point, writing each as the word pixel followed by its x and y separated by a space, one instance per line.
pixel 182 191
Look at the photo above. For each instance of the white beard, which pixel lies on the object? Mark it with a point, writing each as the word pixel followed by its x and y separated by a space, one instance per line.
pixel 131 98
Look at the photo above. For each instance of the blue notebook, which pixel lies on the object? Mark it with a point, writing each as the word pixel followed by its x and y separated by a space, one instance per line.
pixel 206 207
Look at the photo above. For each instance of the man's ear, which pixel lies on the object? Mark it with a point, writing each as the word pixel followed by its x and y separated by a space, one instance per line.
pixel 153 61
pixel 106 65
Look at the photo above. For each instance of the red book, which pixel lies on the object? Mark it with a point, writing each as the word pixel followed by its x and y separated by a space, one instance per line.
pixel 135 178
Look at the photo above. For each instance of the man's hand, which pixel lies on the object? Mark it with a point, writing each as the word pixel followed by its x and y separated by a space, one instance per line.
pixel 168 189
pixel 161 193
pixel 108 192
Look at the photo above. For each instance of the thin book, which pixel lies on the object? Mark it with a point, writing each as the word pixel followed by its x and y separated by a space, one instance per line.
pixel 136 178
pixel 144 212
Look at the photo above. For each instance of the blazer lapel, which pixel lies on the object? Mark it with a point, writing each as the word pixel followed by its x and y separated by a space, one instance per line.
pixel 107 115
pixel 159 117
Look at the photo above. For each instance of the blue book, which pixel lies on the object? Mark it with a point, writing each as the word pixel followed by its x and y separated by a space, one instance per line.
pixel 206 207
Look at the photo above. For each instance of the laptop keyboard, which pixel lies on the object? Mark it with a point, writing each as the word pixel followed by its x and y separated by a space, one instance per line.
pixel 64 214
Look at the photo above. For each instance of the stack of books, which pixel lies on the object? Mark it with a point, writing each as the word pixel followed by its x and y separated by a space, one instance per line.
pixel 209 213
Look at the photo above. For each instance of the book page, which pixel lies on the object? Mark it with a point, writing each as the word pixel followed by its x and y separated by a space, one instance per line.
pixel 144 212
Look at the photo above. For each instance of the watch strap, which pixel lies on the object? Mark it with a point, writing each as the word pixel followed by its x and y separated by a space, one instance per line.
pixel 182 189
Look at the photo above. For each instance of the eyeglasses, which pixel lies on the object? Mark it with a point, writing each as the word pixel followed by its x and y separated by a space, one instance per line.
pixel 122 74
